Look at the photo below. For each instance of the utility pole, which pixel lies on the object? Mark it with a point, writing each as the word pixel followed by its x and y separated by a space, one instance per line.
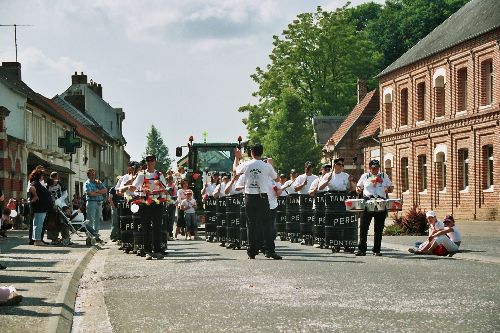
pixel 15 32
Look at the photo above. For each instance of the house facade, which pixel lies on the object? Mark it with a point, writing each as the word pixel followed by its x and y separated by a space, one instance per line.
pixel 86 97
pixel 440 115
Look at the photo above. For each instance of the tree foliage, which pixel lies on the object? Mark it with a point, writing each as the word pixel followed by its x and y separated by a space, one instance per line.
pixel 403 23
pixel 156 146
pixel 316 61
pixel 290 137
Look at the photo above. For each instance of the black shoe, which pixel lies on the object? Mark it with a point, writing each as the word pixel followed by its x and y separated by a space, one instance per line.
pixel 2 266
pixel 223 244
pixel 360 253
pixel 378 254
pixel 251 257
pixel 273 255
pixel 2 233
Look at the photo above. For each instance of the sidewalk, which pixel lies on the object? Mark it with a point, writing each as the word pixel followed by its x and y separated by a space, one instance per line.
pixel 480 241
pixel 48 279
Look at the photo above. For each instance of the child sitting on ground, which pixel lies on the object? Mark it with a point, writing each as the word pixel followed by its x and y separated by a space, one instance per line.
pixel 5 223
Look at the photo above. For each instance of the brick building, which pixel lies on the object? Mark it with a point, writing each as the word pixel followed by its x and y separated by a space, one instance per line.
pixel 440 114
pixel 344 142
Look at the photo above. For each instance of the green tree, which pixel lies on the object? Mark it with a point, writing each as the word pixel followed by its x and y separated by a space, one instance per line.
pixel 156 146
pixel 319 57
pixel 290 137
pixel 403 23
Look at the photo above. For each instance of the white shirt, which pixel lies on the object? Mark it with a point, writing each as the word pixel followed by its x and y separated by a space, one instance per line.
pixel 148 183
pixel 188 205
pixel 300 180
pixel 455 235
pixel 373 185
pixel 210 189
pixel 271 194
pixel 233 189
pixel 339 181
pixel 289 188
pixel 123 181
pixel 257 176
pixel 180 195
pixel 315 186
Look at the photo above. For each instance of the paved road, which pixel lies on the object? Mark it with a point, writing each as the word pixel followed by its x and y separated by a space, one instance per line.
pixel 202 287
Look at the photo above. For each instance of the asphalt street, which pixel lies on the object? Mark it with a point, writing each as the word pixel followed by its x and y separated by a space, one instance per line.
pixel 200 286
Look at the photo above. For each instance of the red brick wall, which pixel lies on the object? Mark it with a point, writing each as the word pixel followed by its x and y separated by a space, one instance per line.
pixel 466 124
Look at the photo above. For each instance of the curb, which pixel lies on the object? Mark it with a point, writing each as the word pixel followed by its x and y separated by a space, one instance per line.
pixel 62 316
pixel 459 255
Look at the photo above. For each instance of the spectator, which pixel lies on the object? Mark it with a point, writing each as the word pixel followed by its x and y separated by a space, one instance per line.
pixel 2 198
pixel 5 223
pixel 75 202
pixel 114 198
pixel 437 242
pixel 188 205
pixel 95 191
pixel 454 234
pixel 41 203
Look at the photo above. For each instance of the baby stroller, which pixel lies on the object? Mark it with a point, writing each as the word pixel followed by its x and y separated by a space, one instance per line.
pixel 76 224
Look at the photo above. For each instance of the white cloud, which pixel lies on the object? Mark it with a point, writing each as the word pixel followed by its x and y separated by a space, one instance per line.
pixel 154 76
pixel 33 58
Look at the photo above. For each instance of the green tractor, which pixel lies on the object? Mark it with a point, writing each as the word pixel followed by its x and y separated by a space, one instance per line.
pixel 203 159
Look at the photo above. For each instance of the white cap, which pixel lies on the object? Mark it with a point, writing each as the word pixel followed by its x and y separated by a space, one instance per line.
pixel 430 213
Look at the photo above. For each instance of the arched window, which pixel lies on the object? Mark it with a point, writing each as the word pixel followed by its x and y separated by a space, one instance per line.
pixel 421 101
pixel 388 107
pixel 462 89
pixel 463 169
pixel 403 111
pixel 388 165
pixel 405 178
pixel 439 98
pixel 487 82
pixel 422 173
pixel 441 171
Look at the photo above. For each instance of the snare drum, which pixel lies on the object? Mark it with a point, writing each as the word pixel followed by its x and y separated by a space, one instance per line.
pixel 393 205
pixel 355 205
pixel 375 205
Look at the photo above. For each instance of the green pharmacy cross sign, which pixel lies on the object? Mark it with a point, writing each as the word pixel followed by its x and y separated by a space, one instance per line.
pixel 70 141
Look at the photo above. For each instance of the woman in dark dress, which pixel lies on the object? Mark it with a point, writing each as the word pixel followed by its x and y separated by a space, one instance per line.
pixel 41 202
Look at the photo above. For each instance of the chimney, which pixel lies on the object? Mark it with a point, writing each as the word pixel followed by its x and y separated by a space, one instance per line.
pixel 13 67
pixel 99 90
pixel 78 79
pixel 362 89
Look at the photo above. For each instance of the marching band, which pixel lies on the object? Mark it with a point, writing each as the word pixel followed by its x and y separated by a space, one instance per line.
pixel 251 206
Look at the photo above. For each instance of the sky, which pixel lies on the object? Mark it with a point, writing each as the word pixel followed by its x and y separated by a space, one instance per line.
pixel 182 65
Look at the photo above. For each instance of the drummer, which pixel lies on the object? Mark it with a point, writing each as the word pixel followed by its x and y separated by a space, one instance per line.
pixel 209 188
pixel 220 189
pixel 315 186
pixel 373 184
pixel 337 180
pixel 303 182
pixel 287 187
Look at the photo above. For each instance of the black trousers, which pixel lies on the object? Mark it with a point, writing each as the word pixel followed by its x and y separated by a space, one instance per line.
pixel 364 225
pixel 259 224
pixel 151 227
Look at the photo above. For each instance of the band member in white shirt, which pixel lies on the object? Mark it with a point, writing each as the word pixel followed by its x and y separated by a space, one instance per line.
pixel 303 182
pixel 373 184
pixel 258 176
pixel 337 180
pixel 151 184
pixel 287 187
pixel 315 186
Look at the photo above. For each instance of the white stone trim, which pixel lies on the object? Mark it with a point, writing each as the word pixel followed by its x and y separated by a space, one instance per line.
pixel 387 92
pixel 441 71
pixel 440 148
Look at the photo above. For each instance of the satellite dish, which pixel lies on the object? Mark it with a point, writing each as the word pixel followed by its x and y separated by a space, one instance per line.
pixel 134 208
pixel 13 213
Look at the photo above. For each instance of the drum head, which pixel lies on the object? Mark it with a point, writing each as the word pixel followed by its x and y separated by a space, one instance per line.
pixel 134 208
